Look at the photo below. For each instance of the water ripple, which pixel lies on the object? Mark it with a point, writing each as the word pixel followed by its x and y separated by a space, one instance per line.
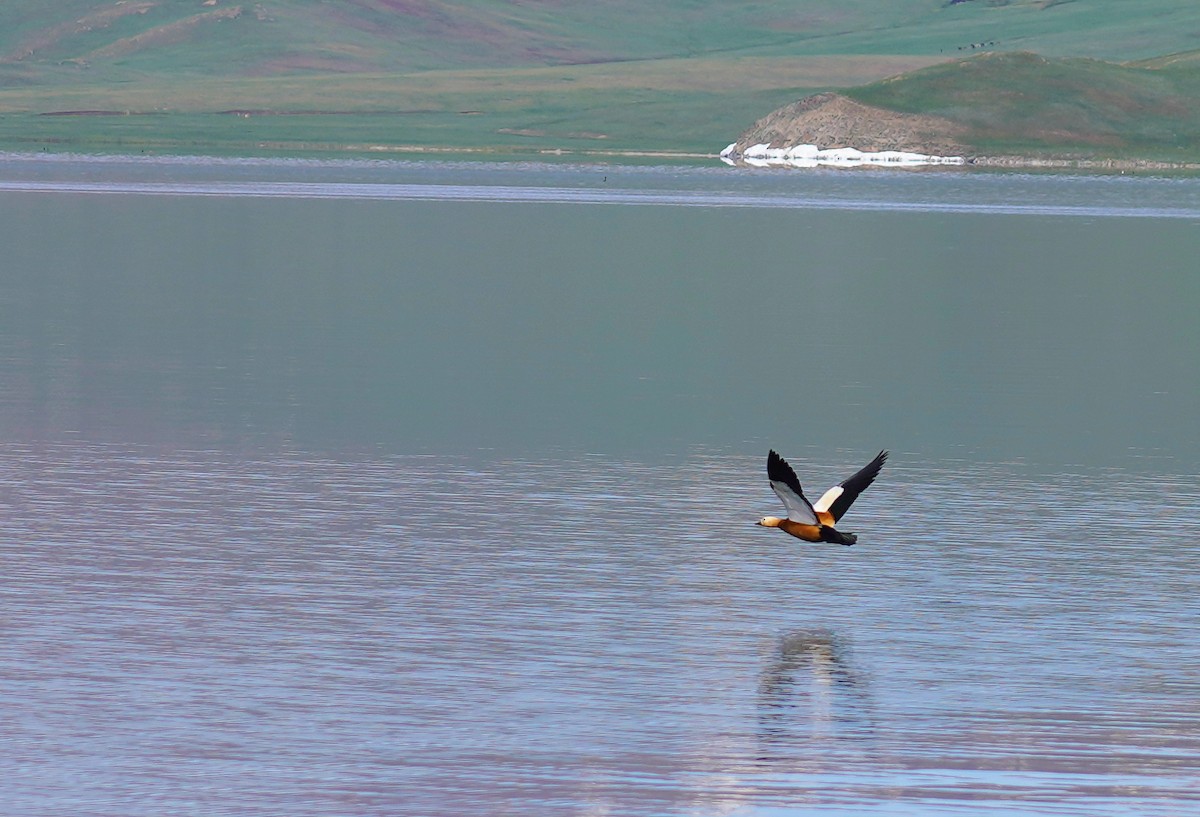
pixel 192 631
pixel 582 195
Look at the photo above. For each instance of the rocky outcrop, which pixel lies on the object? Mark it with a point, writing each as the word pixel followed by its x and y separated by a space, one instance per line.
pixel 831 120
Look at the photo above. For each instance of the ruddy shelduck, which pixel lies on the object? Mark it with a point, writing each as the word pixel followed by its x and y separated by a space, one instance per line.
pixel 815 523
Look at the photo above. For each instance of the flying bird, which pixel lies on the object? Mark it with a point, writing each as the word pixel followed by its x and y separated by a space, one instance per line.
pixel 815 523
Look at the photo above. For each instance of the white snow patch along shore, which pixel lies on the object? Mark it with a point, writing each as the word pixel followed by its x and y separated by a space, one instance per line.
pixel 763 155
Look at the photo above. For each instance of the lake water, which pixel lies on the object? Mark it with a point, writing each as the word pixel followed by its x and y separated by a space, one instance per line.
pixel 376 488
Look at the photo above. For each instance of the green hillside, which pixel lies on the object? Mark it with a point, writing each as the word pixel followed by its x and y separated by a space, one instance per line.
pixel 1024 103
pixel 221 76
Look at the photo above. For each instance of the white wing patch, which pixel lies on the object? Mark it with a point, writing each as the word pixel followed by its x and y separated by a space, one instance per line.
pixel 828 498
pixel 797 506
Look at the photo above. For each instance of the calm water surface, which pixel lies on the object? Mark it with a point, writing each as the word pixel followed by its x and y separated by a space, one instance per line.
pixel 387 488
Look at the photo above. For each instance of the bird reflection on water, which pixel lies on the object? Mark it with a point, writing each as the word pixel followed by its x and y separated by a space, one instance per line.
pixel 810 694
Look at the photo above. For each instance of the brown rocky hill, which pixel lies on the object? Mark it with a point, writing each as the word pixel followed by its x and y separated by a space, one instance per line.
pixel 831 120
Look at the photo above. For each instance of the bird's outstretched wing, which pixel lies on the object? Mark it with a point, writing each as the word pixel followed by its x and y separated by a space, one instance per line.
pixel 838 499
pixel 787 487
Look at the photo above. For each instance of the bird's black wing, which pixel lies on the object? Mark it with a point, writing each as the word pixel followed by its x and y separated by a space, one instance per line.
pixel 786 486
pixel 839 499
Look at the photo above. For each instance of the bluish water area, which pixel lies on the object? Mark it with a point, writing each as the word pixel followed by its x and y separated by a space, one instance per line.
pixel 930 191
pixel 376 488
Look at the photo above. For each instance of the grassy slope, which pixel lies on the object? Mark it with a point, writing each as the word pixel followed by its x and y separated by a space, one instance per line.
pixel 674 75
pixel 1021 103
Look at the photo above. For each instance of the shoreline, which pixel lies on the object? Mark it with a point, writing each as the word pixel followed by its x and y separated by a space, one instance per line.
pixel 1066 163
pixel 1016 162
pixel 282 150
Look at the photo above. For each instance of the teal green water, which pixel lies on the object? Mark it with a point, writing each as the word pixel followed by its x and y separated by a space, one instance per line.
pixel 453 326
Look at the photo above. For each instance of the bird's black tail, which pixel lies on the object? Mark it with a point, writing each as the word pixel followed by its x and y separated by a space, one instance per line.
pixel 829 534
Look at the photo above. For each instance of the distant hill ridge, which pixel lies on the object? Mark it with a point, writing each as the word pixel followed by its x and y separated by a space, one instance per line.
pixel 675 76
pixel 239 38
pixel 1005 103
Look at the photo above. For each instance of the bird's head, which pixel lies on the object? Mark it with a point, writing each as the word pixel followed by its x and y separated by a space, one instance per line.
pixel 769 521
